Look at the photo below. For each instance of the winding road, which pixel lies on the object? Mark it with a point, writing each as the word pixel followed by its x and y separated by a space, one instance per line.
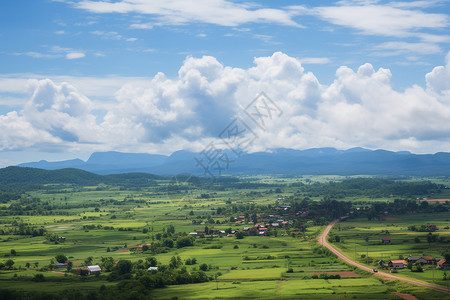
pixel 323 241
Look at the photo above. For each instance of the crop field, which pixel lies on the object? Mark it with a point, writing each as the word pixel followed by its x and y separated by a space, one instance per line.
pixel 361 240
pixel 222 225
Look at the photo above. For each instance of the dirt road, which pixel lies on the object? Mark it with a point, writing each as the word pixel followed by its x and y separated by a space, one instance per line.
pixel 323 241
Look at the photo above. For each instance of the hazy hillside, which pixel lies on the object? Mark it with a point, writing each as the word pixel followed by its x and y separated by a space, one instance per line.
pixel 279 161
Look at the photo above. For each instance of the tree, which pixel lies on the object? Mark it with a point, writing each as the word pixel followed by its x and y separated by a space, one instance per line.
pixel 171 229
pixel 107 264
pixel 185 241
pixel 9 263
pixel 88 261
pixel 61 258
pixel 239 235
pixel 168 243
pixel 203 267
pixel 13 252
pixel 27 265
pixel 447 256
pixel 152 261
pixel 124 267
pixel 175 262
pixel 69 266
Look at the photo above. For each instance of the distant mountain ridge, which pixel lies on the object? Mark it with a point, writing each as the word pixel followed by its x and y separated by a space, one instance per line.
pixel 315 161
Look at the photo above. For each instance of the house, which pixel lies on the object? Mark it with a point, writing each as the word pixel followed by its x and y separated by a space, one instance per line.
pixel 152 269
pixel 413 259
pixel 95 269
pixel 386 240
pixel 61 265
pixel 443 264
pixel 431 227
pixel 397 264
pixel 425 260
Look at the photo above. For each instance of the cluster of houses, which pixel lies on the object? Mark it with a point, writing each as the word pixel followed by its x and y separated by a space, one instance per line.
pixel 425 260
pixel 258 225
pixel 89 270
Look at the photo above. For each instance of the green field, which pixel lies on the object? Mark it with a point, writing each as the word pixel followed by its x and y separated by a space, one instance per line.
pixel 360 237
pixel 107 221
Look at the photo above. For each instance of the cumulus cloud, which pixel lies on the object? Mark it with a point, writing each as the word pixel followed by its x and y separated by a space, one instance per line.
pixel 438 80
pixel 161 114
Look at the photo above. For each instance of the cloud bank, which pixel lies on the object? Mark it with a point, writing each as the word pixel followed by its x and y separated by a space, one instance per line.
pixel 161 114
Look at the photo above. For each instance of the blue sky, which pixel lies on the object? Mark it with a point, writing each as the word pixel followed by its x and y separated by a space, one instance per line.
pixel 135 75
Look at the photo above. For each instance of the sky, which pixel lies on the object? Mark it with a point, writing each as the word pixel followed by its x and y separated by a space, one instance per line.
pixel 79 76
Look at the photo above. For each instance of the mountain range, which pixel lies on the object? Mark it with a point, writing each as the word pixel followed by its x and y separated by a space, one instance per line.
pixel 316 161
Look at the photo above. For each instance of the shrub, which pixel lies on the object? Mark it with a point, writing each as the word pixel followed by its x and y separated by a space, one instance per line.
pixel 39 278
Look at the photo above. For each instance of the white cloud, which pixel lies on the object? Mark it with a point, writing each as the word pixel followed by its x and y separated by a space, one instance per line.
pixel 405 47
pixel 160 114
pixel 142 26
pixel 219 12
pixel 75 55
pixel 438 80
pixel 54 52
pixel 433 38
pixel 111 35
pixel 384 20
pixel 315 60
pixel 37 54
pixel 415 4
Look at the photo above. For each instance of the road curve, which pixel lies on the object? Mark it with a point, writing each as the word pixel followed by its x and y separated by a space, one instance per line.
pixel 323 241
